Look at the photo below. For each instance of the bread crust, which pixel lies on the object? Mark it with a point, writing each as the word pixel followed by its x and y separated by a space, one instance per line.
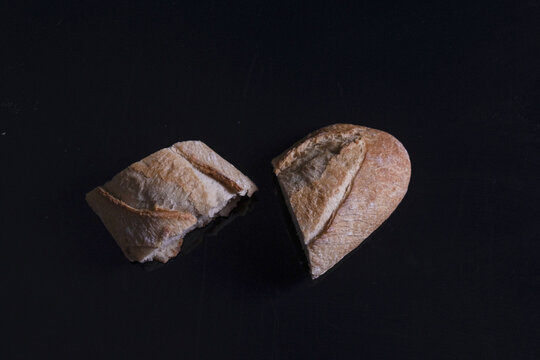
pixel 210 163
pixel 377 187
pixel 139 232
pixel 150 206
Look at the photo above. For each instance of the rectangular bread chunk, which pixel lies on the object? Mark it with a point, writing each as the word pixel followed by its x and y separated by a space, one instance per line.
pixel 152 204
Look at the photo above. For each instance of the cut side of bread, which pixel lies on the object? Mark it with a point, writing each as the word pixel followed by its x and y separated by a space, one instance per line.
pixel 340 183
pixel 151 205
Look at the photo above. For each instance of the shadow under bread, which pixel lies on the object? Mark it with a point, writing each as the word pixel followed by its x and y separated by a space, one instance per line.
pixel 196 237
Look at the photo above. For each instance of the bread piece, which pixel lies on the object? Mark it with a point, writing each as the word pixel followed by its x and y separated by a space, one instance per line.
pixel 341 183
pixel 151 205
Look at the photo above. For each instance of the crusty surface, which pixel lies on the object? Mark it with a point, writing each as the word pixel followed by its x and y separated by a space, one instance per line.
pixel 138 232
pixel 150 206
pixel 167 180
pixel 209 162
pixel 317 179
pixel 379 181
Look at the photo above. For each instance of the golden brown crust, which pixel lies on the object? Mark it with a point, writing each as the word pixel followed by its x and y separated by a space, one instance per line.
pixel 210 171
pixel 166 179
pixel 337 130
pixel 375 191
pixel 137 232
pixel 157 212
pixel 149 206
pixel 315 202
pixel 210 163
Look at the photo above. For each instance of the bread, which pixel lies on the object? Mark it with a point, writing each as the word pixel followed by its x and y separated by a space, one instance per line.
pixel 150 206
pixel 341 183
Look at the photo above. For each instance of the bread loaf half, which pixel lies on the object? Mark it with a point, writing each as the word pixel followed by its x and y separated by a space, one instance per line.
pixel 341 183
pixel 150 206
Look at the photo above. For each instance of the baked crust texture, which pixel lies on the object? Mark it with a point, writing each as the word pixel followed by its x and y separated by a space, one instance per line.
pixel 341 183
pixel 150 206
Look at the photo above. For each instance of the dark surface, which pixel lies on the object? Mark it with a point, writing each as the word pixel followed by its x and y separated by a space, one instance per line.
pixel 87 88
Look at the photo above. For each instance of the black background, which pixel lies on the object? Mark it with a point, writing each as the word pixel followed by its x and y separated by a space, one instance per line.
pixel 89 87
